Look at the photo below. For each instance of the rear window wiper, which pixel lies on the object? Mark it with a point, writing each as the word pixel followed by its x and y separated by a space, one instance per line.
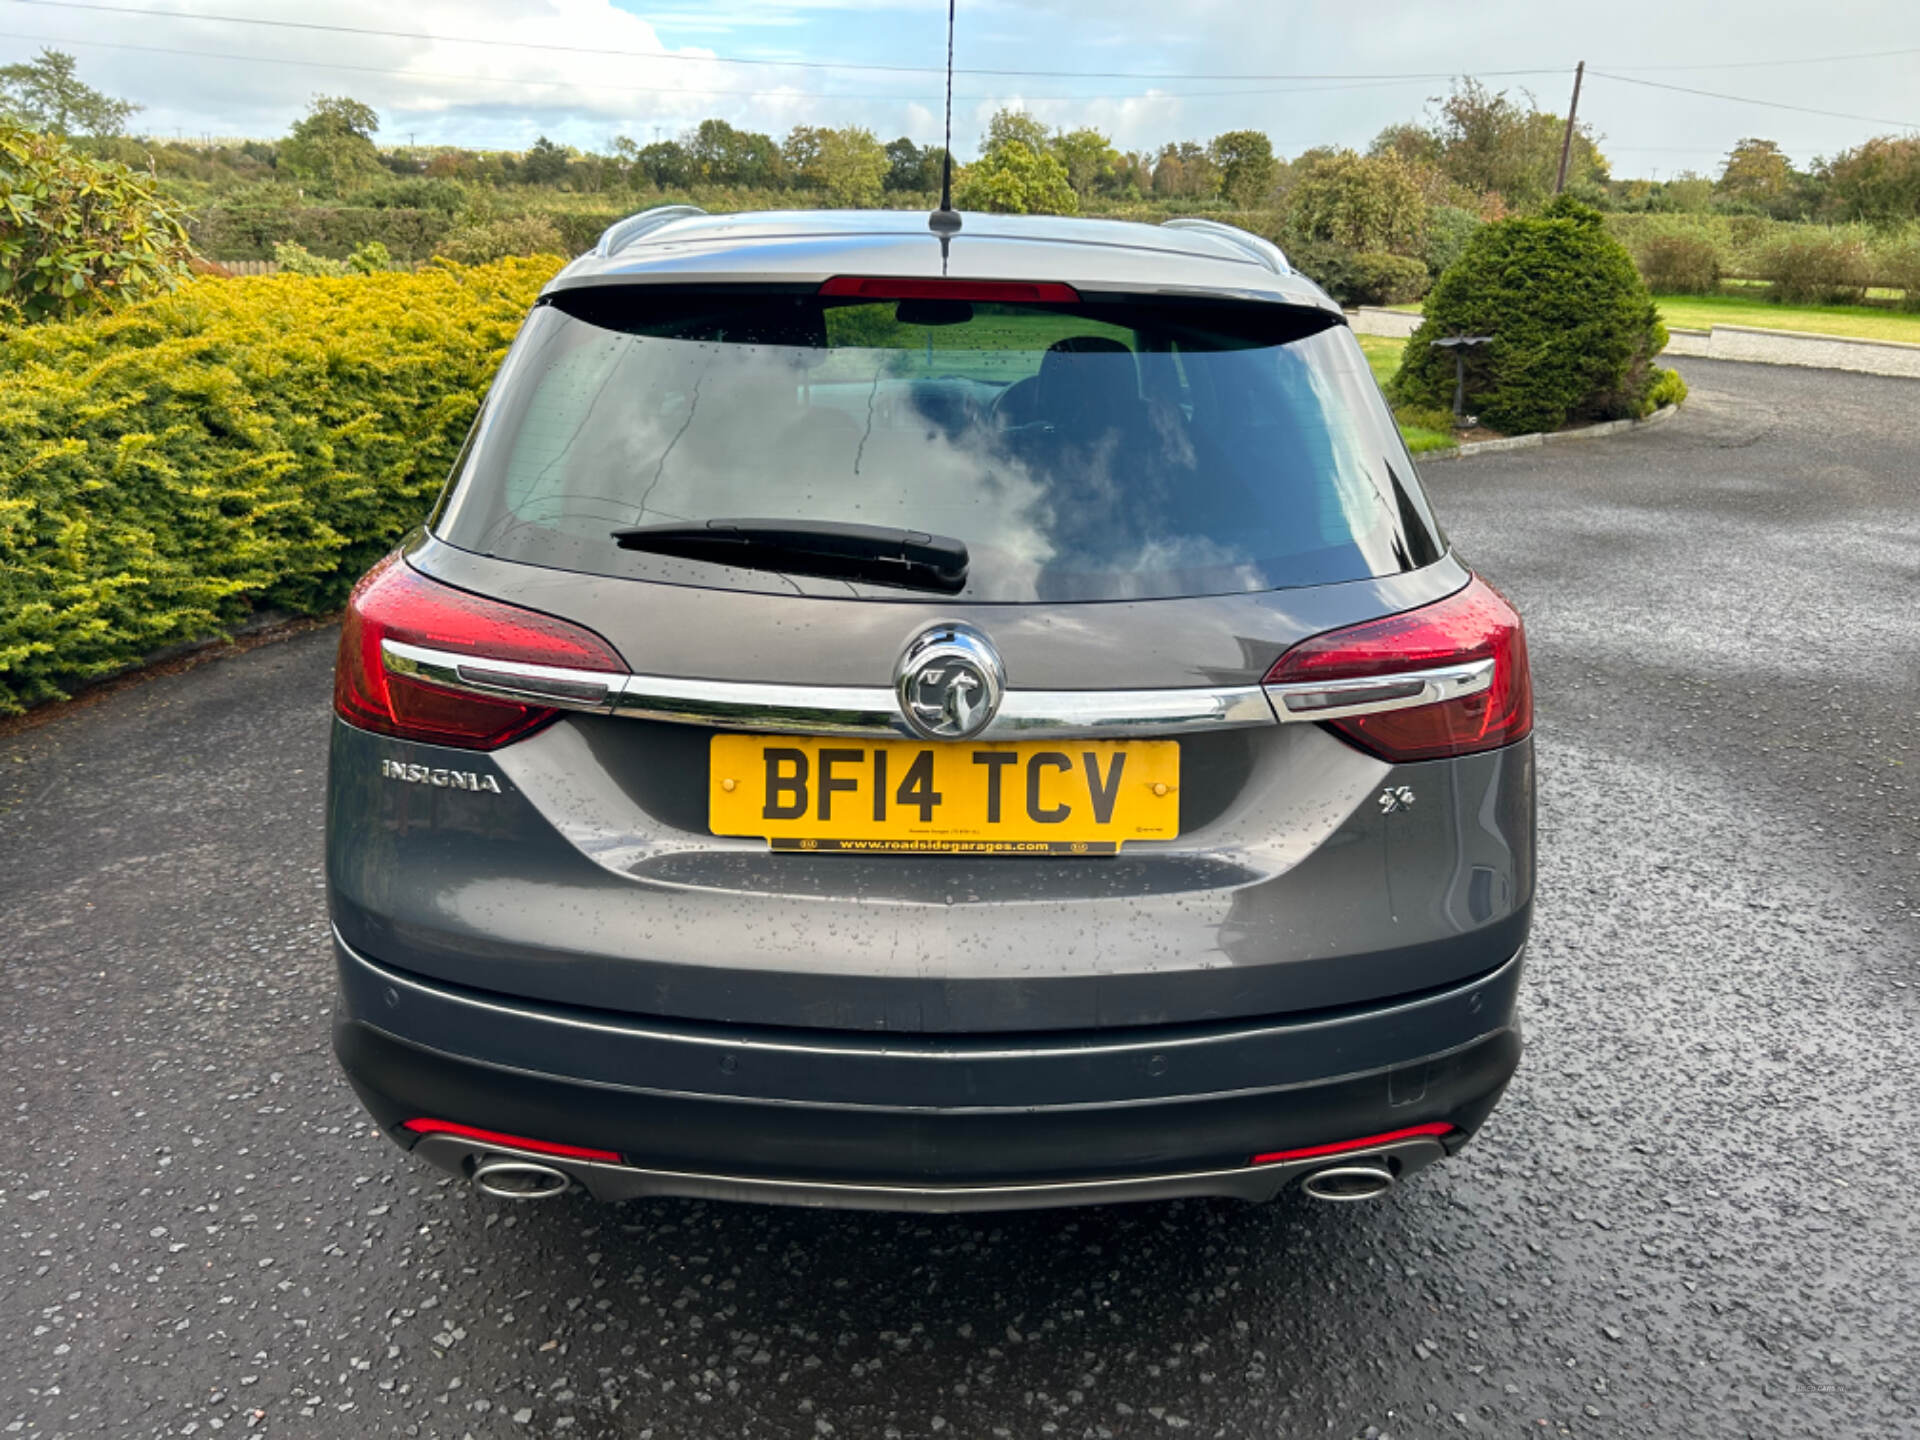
pixel 876 554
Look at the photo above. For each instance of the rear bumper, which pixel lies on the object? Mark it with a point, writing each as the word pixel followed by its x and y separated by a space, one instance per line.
pixel 924 1122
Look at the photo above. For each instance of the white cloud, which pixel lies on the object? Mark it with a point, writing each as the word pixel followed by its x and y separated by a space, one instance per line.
pixel 507 94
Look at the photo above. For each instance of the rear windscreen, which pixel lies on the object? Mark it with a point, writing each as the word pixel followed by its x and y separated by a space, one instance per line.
pixel 1100 451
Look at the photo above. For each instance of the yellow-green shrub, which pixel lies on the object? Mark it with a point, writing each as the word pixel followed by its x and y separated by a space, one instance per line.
pixel 237 444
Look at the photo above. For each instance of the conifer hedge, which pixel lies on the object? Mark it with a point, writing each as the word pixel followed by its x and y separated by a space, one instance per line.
pixel 238 444
pixel 1574 330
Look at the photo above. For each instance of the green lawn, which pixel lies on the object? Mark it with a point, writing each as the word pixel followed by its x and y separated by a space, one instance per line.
pixel 1383 358
pixel 1383 355
pixel 1703 312
pixel 1866 322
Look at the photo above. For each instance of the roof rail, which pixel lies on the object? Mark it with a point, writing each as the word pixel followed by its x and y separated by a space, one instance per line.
pixel 1263 250
pixel 622 233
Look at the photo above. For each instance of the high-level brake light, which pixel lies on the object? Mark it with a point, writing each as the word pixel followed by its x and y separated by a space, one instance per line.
pixel 889 287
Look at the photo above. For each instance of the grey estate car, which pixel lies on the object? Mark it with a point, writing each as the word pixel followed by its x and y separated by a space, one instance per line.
pixel 899 717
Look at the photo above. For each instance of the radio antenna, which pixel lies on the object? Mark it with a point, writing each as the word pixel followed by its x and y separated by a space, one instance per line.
pixel 945 222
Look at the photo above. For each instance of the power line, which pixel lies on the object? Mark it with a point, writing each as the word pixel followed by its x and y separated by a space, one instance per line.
pixel 1749 100
pixel 189 15
pixel 752 60
pixel 1770 64
pixel 574 83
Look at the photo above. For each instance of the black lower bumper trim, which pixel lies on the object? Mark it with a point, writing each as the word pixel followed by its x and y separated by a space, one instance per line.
pixel 1364 1088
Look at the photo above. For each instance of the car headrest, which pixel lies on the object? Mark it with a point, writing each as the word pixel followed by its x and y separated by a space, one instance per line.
pixel 1088 383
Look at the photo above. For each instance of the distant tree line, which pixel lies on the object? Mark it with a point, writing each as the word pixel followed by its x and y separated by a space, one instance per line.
pixel 1483 151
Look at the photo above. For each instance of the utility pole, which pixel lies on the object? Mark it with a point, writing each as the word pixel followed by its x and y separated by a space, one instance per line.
pixel 1566 142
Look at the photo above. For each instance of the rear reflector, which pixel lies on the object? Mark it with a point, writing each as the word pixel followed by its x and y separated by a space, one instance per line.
pixel 1344 1147
pixel 1475 623
pixel 396 602
pixel 511 1142
pixel 1012 292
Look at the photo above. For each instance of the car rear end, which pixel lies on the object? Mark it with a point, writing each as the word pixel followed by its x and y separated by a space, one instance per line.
pixel 888 724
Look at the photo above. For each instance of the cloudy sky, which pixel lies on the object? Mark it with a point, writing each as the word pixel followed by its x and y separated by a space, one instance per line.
pixel 1144 71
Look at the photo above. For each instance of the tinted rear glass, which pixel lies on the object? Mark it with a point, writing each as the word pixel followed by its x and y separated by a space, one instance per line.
pixel 1089 452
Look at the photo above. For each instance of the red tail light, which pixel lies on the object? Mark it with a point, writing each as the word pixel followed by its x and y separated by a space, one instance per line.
pixel 1474 624
pixel 1012 292
pixel 396 603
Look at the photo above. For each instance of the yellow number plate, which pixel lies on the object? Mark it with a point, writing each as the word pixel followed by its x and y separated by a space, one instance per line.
pixel 1034 797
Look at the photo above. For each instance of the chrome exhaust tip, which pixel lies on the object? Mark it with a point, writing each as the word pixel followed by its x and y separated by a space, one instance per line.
pixel 1355 1180
pixel 520 1180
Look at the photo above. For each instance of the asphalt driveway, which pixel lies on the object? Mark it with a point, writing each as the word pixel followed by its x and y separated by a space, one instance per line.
pixel 1694 1215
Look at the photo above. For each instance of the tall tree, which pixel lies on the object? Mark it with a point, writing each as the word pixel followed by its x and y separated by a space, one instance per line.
pixel 1410 140
pixel 1246 165
pixel 1015 125
pixel 45 94
pixel 1492 143
pixel 852 166
pixel 1756 171
pixel 1359 202
pixel 909 167
pixel 1185 171
pixel 723 155
pixel 1091 161
pixel 1878 181
pixel 331 146
pixel 1014 178
pixel 545 163
pixel 666 164
pixel 801 153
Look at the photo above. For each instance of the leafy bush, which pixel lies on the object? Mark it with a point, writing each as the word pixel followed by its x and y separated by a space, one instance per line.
pixel 1360 202
pixel 241 442
pixel 1015 179
pixel 298 260
pixel 1449 228
pixel 1667 389
pixel 77 234
pixel 1898 265
pixel 1816 267
pixel 370 259
pixel 1331 267
pixel 420 192
pixel 499 239
pixel 1380 279
pixel 1878 181
pixel 1368 278
pixel 1575 330
pixel 1676 264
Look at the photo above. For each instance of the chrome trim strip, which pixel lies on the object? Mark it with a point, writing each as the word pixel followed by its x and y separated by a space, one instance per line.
pixel 833 709
pixel 1315 700
pixel 1036 714
pixel 547 684
pixel 609 1182
pixel 740 705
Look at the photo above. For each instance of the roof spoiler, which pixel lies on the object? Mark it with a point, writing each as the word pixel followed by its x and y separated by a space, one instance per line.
pixel 622 233
pixel 1261 249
